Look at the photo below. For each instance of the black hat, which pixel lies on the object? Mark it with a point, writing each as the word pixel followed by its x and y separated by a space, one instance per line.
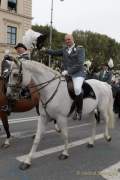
pixel 20 45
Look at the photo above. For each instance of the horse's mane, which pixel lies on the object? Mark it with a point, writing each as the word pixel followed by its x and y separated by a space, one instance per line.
pixel 41 66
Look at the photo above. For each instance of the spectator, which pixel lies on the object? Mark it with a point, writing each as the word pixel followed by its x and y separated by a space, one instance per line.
pixel 105 74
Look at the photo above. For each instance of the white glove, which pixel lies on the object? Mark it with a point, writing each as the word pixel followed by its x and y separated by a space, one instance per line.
pixel 64 73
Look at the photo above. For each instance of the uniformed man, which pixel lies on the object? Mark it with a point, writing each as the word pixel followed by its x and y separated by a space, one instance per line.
pixel 73 64
pixel 105 74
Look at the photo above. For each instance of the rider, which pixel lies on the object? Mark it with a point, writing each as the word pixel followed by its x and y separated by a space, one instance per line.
pixel 22 52
pixel 73 64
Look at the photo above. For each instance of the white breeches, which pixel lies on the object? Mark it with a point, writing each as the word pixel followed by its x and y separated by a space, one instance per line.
pixel 77 82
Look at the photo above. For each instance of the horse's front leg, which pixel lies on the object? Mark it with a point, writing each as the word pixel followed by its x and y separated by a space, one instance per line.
pixel 92 138
pixel 40 131
pixel 64 132
pixel 4 119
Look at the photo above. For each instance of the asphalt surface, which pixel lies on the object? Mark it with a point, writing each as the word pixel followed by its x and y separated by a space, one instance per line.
pixel 83 163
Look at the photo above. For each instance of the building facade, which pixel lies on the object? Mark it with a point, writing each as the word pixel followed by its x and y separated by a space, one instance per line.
pixel 15 19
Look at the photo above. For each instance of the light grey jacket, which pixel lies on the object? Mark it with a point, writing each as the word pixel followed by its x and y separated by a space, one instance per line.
pixel 73 62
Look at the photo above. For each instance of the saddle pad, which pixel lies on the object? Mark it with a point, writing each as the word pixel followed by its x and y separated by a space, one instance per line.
pixel 86 89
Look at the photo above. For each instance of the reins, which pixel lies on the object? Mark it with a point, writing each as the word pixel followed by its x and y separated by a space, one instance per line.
pixel 42 85
pixel 52 96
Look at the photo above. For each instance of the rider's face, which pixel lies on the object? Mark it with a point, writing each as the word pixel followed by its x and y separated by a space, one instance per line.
pixel 20 50
pixel 69 40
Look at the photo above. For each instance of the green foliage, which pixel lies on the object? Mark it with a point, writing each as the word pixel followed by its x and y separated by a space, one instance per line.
pixel 99 48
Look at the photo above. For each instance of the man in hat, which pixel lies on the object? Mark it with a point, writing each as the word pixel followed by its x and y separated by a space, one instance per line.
pixel 105 74
pixel 22 51
pixel 22 54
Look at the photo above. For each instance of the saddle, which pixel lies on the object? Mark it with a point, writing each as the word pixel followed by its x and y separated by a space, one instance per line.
pixel 86 89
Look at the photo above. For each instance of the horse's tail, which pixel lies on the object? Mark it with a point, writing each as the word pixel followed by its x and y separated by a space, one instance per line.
pixel 110 110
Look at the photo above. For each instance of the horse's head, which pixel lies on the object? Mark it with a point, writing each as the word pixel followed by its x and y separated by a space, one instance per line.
pixel 18 77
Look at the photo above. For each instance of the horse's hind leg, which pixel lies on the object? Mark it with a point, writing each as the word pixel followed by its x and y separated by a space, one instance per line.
pixel 64 132
pixel 92 138
pixel 109 116
pixel 40 131
pixel 106 134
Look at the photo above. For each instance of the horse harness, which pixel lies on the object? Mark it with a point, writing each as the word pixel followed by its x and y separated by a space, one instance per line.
pixel 87 89
pixel 40 86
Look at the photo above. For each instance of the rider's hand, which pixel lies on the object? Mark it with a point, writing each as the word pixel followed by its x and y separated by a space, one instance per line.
pixel 64 73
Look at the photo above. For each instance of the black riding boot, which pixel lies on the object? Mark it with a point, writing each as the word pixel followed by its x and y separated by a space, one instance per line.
pixel 79 105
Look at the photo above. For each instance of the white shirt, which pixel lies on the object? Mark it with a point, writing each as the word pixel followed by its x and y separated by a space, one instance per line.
pixel 70 49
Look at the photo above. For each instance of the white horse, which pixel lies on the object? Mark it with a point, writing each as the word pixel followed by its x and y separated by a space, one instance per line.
pixel 55 102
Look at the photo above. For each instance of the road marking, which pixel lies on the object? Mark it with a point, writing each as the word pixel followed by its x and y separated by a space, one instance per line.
pixel 111 173
pixel 20 120
pixel 26 134
pixel 59 148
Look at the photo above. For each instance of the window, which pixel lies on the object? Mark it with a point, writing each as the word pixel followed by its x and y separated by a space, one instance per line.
pixel 11 35
pixel 12 5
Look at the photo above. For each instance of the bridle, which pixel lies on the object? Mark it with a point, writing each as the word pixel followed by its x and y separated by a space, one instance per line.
pixel 39 86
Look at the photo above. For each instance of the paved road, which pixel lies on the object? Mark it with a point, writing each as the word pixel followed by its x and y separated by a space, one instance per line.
pixel 99 163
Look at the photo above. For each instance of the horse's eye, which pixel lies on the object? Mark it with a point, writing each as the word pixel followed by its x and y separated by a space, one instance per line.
pixel 15 75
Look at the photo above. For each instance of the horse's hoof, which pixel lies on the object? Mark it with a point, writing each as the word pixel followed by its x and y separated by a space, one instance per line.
pixel 62 157
pixel 90 145
pixel 24 166
pixel 108 139
pixel 5 146
pixel 58 130
pixel 33 137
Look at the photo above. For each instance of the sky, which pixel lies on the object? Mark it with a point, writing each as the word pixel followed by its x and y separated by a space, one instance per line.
pixel 101 16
